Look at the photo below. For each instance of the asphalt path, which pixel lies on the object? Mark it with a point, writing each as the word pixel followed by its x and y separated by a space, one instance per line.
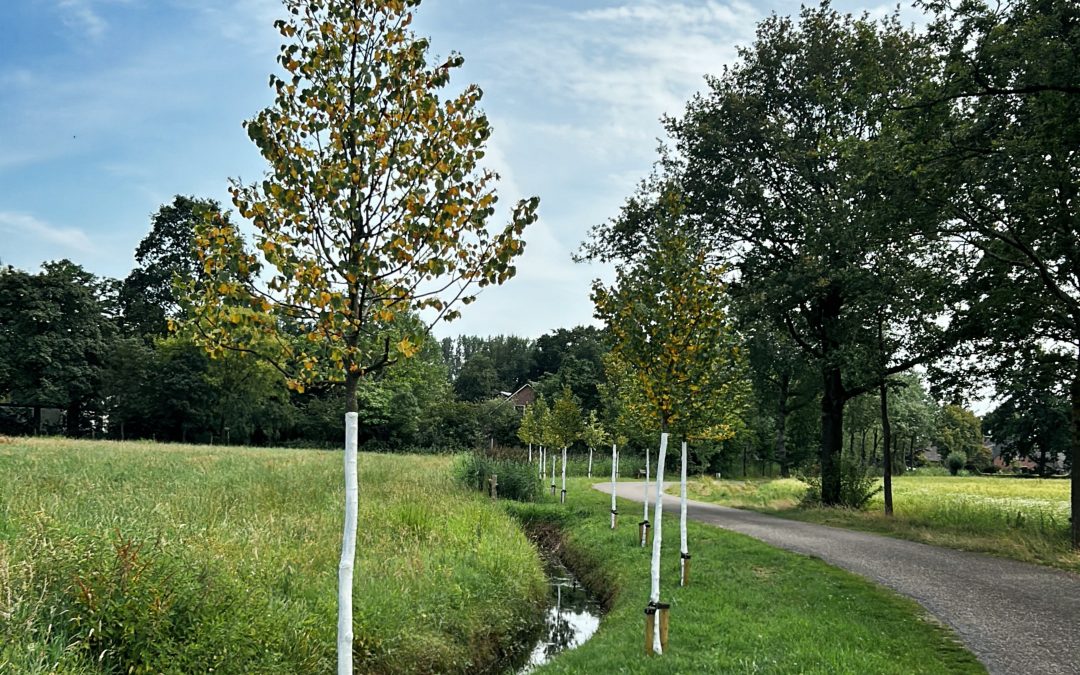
pixel 1015 617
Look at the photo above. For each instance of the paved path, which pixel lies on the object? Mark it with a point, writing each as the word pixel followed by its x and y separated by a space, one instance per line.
pixel 1015 617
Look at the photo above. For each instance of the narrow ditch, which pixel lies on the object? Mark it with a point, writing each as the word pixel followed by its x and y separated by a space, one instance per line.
pixel 572 617
pixel 573 613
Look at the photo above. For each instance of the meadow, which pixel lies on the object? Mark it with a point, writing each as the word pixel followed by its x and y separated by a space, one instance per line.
pixel 1022 518
pixel 750 608
pixel 137 557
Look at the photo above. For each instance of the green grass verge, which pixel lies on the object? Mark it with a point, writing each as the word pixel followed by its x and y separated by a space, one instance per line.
pixel 1021 518
pixel 751 608
pixel 136 557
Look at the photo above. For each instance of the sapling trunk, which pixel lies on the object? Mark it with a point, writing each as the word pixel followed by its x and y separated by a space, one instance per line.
pixel 590 462
pixel 553 463
pixel 658 512
pixel 348 550
pixel 563 493
pixel 644 525
pixel 530 453
pixel 614 462
pixel 684 551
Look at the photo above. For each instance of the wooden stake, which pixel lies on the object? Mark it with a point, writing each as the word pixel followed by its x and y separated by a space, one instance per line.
pixel 650 623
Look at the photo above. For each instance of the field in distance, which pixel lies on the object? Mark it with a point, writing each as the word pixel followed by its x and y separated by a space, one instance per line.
pixel 1022 518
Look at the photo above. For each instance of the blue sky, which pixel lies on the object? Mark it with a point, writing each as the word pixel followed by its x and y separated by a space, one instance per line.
pixel 110 107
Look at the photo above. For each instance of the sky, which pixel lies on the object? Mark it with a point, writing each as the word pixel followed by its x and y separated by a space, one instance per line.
pixel 109 108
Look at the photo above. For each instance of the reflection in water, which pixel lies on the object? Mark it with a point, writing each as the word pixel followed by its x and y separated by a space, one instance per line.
pixel 571 619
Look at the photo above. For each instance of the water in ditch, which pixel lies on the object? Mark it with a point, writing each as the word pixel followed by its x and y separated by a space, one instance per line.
pixel 572 616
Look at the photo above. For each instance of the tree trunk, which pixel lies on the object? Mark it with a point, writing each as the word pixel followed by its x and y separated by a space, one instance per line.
pixel 911 451
pixel 37 420
pixel 562 495
pixel 862 444
pixel 614 461
pixel 781 426
pixel 658 513
pixel 646 516
pixel 590 462
pixel 886 433
pixel 348 537
pixel 74 413
pixel 684 551
pixel 1075 472
pixel 832 435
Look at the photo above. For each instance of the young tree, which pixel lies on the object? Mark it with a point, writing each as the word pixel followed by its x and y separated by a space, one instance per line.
pixel 374 205
pixel 680 363
pixel 594 435
pixel 566 427
pixel 528 430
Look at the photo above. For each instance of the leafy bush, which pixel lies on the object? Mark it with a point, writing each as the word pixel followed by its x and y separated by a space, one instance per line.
pixel 517 480
pixel 955 461
pixel 857 486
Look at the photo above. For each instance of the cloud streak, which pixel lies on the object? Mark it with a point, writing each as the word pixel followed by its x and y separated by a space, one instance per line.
pixel 26 226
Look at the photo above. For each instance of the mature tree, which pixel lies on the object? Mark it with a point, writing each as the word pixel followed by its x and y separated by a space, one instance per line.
pixel 783 384
pixel 1033 419
pixel 53 339
pixel 960 430
pixel 375 205
pixel 478 379
pixel 792 165
pixel 570 358
pixel 166 255
pixel 1011 85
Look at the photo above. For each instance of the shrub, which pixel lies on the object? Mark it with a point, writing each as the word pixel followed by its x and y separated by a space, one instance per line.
pixel 955 461
pixel 857 486
pixel 517 480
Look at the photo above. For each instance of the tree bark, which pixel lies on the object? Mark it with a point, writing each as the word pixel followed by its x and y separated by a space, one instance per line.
pixel 614 461
pixel 1075 472
pixel 886 441
pixel 348 538
pixel 832 435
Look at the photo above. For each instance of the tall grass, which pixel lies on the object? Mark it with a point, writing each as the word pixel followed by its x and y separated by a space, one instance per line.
pixel 1022 518
pixel 135 557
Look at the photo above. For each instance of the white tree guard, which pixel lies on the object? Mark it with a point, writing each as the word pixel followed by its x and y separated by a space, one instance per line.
pixel 614 462
pixel 541 463
pixel 646 516
pixel 348 551
pixel 590 462
pixel 564 471
pixel 682 499
pixel 530 453
pixel 553 463
pixel 657 540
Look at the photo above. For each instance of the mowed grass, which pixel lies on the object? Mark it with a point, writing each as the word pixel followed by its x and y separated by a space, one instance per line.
pixel 1022 518
pixel 137 557
pixel 750 608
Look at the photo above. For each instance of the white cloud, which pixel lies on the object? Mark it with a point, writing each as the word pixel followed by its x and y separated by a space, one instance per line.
pixel 80 16
pixel 28 227
pixel 674 14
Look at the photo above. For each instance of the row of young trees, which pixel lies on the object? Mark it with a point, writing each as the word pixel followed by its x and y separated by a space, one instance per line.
pixel 878 199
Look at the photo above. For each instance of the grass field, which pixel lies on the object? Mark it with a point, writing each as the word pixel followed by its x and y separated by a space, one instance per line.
pixel 1022 518
pixel 178 559
pixel 751 608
